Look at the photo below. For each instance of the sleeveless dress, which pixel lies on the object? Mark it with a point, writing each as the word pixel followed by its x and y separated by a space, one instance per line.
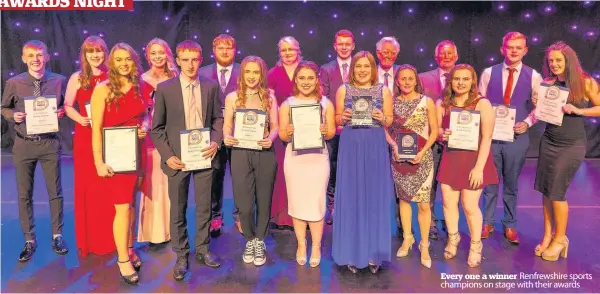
pixel 364 191
pixel 413 181
pixel 306 175
pixel 93 216
pixel 456 164
pixel 119 189
pixel 155 205
pixel 562 149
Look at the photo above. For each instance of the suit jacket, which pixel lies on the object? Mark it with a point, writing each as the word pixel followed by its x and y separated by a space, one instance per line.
pixel 331 79
pixel 210 71
pixel 432 86
pixel 396 91
pixel 169 117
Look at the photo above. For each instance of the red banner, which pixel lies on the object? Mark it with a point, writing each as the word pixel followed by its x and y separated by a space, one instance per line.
pixel 66 4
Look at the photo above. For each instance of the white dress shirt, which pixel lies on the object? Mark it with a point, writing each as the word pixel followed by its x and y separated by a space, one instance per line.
pixel 341 68
pixel 381 75
pixel 227 74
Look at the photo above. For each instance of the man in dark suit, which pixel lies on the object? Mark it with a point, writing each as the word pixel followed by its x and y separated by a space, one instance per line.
pixel 433 83
pixel 332 76
pixel 188 102
pixel 224 71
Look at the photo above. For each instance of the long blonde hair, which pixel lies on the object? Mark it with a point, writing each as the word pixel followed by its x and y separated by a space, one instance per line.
pixel 91 44
pixel 114 81
pixel 170 69
pixel 263 86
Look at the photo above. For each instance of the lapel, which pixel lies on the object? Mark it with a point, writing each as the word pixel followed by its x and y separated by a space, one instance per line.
pixel 337 73
pixel 437 79
pixel 204 97
pixel 178 99
pixel 215 75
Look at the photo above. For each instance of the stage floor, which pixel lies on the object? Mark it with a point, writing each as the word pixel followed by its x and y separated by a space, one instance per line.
pixel 48 272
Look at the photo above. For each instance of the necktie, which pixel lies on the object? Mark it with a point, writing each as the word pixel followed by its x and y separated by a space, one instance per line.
pixel 385 79
pixel 193 114
pixel 446 79
pixel 223 79
pixel 345 72
pixel 509 85
pixel 36 88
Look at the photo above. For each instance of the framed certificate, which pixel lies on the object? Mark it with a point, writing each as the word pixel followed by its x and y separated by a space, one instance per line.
pixel 407 145
pixel 362 111
pixel 120 148
pixel 41 114
pixel 504 123
pixel 192 143
pixel 88 109
pixel 249 128
pixel 307 120
pixel 464 125
pixel 551 100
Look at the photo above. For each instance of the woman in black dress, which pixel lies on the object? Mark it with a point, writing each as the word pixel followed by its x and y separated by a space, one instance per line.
pixel 563 148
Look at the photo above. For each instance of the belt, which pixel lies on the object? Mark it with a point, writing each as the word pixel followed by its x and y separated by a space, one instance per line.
pixel 37 137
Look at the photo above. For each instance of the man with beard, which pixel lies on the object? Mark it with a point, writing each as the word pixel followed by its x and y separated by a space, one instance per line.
pixel 433 83
pixel 332 76
pixel 225 71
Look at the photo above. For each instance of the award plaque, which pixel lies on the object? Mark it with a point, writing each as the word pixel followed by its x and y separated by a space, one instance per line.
pixel 362 111
pixel 192 143
pixel 120 148
pixel 464 125
pixel 249 128
pixel 407 145
pixel 307 121
pixel 551 100
pixel 41 114
pixel 504 123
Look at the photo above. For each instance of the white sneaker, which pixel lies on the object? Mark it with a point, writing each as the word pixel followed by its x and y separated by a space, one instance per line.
pixel 249 252
pixel 259 252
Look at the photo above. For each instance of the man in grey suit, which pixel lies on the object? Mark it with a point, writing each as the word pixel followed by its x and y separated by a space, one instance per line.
pixel 224 71
pixel 433 83
pixel 332 76
pixel 188 102
pixel 387 50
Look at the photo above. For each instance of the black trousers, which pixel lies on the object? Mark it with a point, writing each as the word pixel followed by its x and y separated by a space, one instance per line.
pixel 179 185
pixel 26 154
pixel 253 175
pixel 223 156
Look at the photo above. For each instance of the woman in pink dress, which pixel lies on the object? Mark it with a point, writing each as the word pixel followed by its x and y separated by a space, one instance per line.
pixel 464 172
pixel 153 224
pixel 307 171
pixel 93 216
pixel 119 102
pixel 281 82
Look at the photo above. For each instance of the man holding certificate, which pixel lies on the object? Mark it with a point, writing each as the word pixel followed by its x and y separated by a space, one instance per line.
pixel 509 86
pixel 33 100
pixel 184 106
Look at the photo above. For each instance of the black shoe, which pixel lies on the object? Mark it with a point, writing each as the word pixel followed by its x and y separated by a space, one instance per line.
pixel 352 269
pixel 374 268
pixel 130 279
pixel 209 259
pixel 59 246
pixel 433 233
pixel 180 268
pixel 27 251
pixel 137 263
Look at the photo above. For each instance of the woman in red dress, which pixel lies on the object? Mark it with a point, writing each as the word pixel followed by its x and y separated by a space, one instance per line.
pixel 119 102
pixel 153 224
pixel 280 81
pixel 93 216
pixel 463 172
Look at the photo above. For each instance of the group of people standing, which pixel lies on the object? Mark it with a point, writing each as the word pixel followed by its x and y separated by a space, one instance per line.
pixel 351 183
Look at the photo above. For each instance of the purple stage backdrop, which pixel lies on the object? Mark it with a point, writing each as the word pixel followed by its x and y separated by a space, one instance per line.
pixel 476 28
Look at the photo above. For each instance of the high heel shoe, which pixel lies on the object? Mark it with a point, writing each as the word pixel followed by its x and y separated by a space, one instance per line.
pixel 137 263
pixel 410 240
pixel 478 251
pixel 374 268
pixel 301 259
pixel 314 261
pixel 129 279
pixel 549 256
pixel 352 269
pixel 425 262
pixel 539 249
pixel 453 240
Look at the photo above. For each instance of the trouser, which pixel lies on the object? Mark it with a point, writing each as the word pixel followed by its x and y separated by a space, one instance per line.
pixel 253 175
pixel 223 156
pixel 26 154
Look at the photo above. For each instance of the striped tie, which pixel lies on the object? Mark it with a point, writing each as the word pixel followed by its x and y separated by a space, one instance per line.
pixel 36 88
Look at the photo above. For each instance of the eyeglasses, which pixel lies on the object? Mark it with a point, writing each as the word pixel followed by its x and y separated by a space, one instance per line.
pixel 388 53
pixel 287 50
